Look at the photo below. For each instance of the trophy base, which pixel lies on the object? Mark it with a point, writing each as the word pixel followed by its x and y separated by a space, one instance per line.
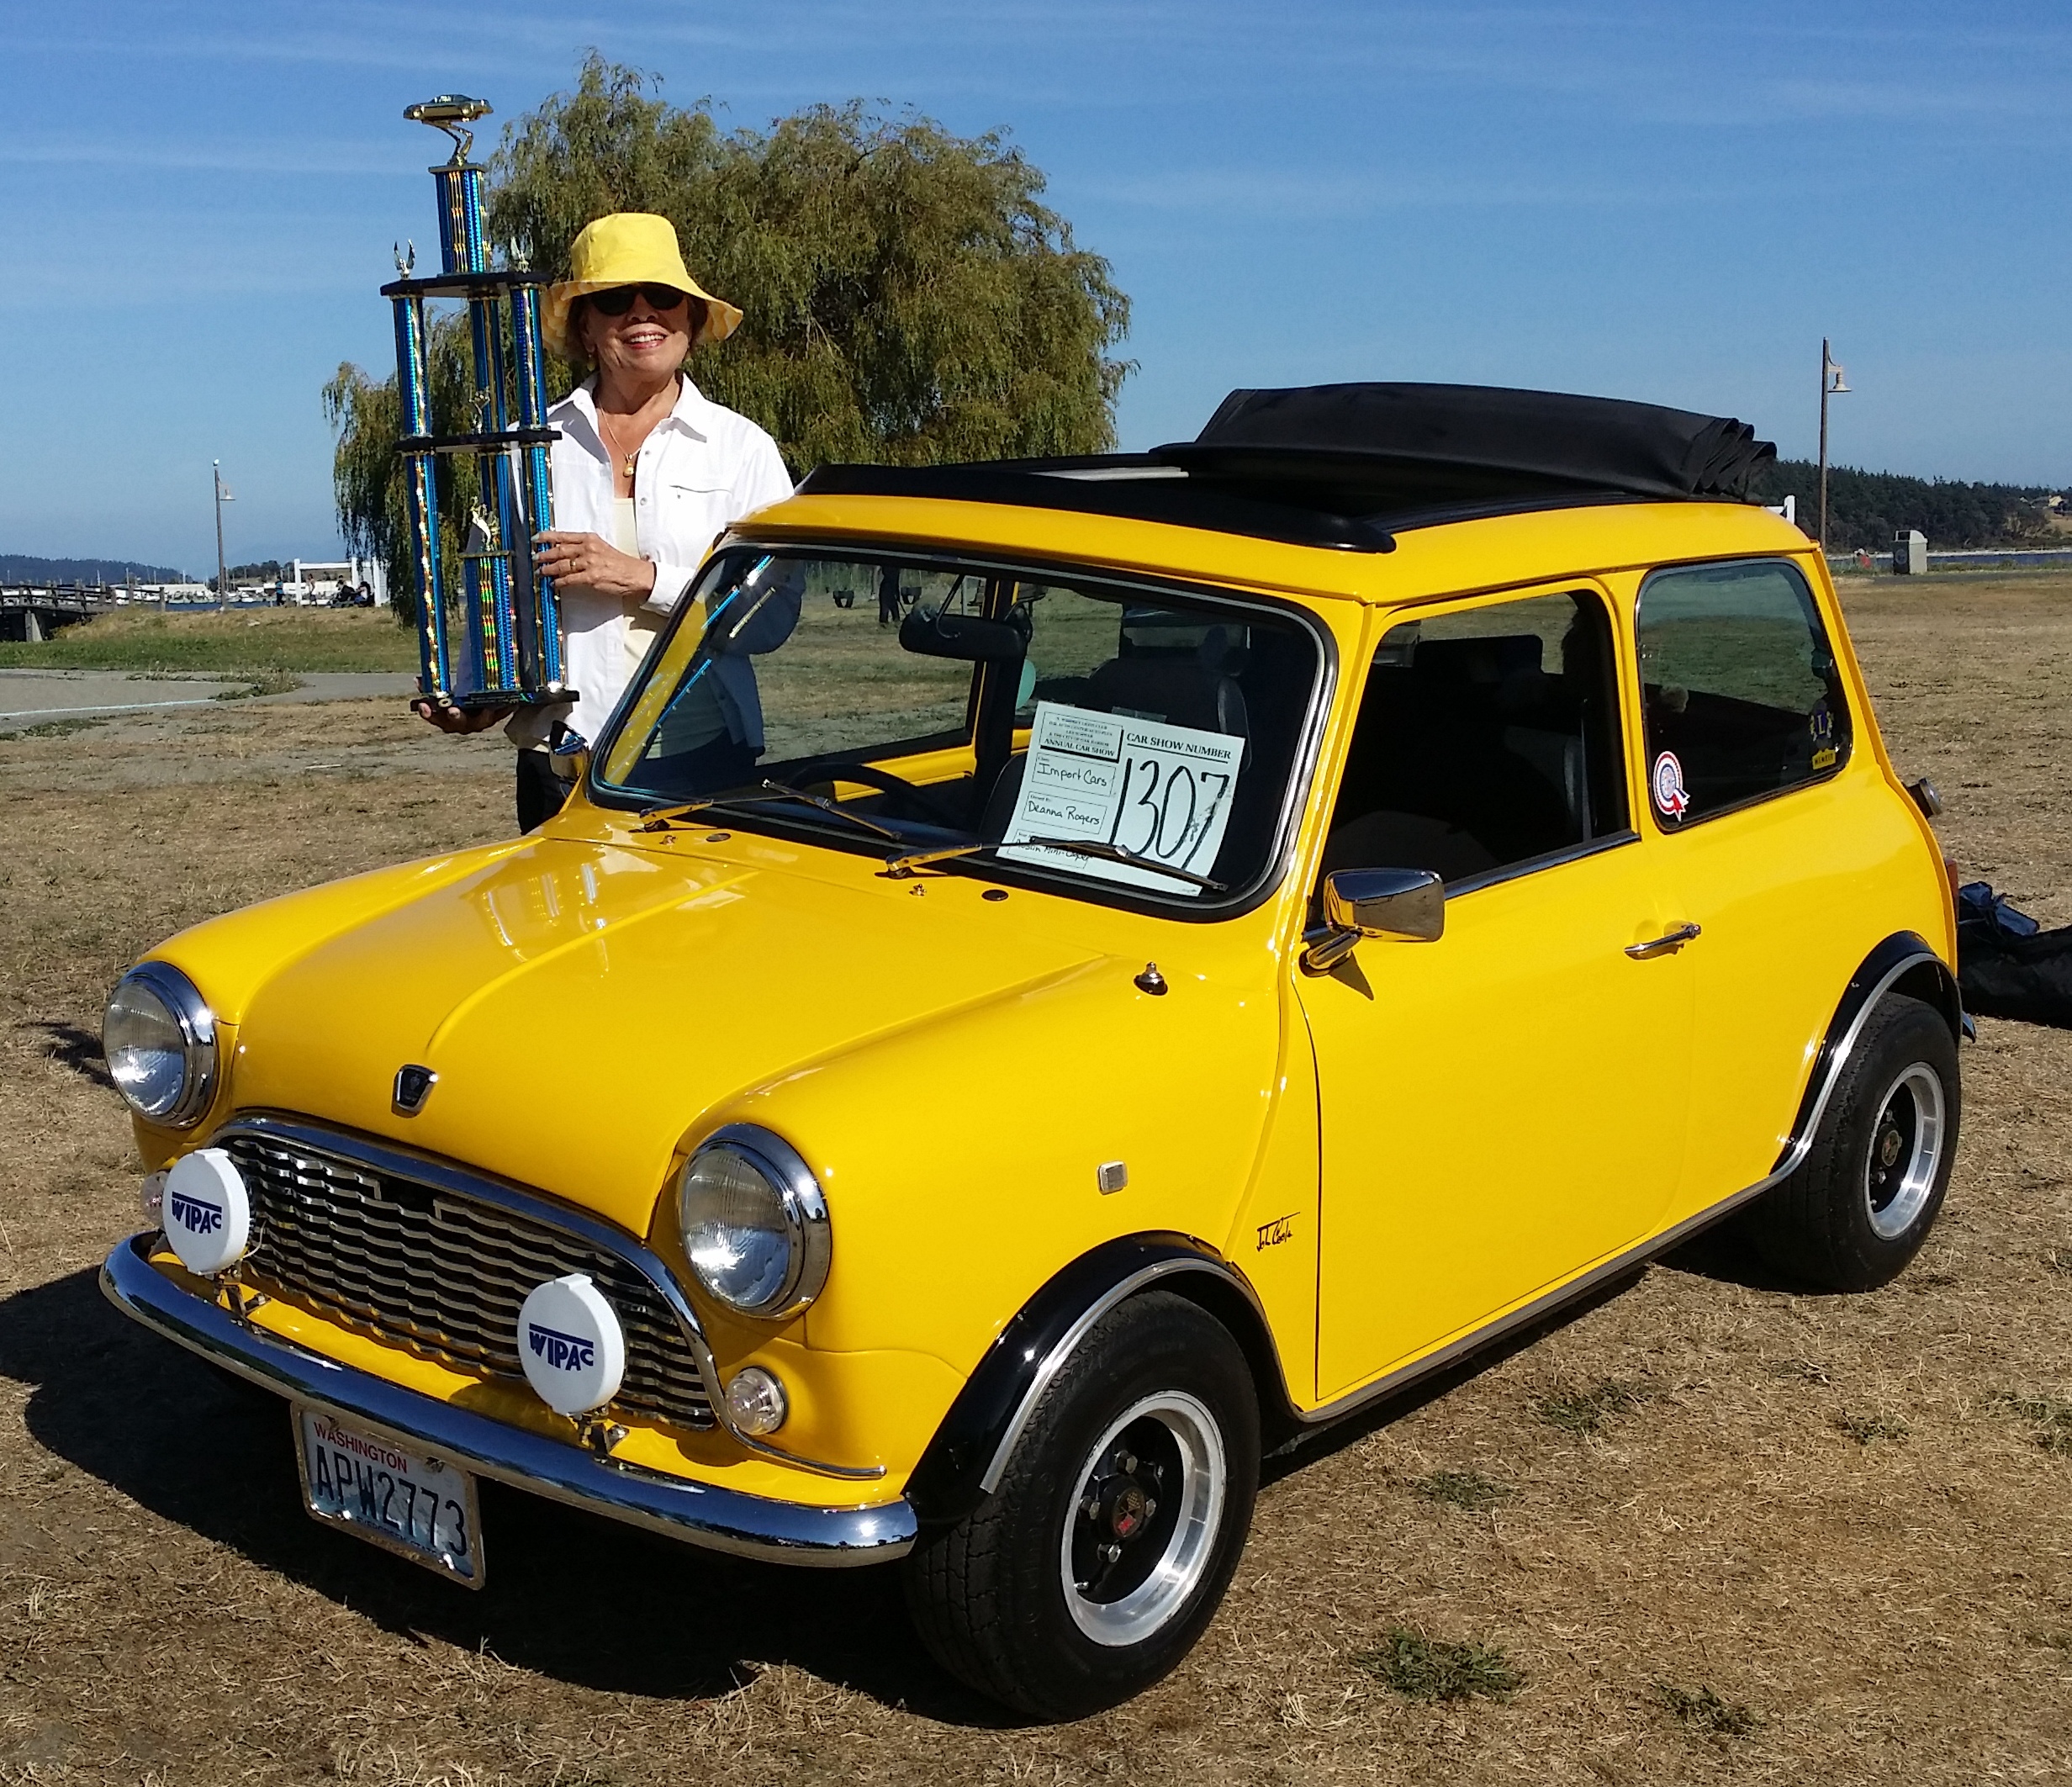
pixel 501 700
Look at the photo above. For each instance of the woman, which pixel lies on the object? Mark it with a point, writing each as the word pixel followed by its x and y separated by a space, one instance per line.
pixel 648 472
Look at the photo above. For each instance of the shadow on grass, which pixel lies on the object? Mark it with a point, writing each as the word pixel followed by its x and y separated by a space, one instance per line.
pixel 1722 1254
pixel 1306 1448
pixel 72 1047
pixel 1719 1253
pixel 575 1596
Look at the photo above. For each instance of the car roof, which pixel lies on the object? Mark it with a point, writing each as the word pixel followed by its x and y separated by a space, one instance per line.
pixel 1351 467
pixel 1396 476
pixel 1491 552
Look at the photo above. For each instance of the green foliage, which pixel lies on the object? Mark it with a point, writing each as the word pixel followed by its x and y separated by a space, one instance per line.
pixel 1703 1711
pixel 366 472
pixel 2049 1416
pixel 909 299
pixel 1422 1668
pixel 1866 509
pixel 1584 1412
pixel 51 729
pixel 1868 1430
pixel 1468 1489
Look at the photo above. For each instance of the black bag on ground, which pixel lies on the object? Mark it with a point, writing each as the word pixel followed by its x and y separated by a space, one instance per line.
pixel 2006 965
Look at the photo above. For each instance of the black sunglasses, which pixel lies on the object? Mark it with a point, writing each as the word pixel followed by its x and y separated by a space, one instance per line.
pixel 619 299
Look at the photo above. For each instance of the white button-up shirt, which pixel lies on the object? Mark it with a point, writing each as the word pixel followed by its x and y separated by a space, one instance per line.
pixel 700 470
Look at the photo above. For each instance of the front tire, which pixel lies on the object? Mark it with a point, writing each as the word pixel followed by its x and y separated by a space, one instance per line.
pixel 1863 1200
pixel 1097 1563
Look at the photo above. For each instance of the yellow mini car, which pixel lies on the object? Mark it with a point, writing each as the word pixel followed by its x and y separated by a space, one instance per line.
pixel 1213 938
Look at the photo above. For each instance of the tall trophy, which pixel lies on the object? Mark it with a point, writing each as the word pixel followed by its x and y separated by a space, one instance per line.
pixel 506 651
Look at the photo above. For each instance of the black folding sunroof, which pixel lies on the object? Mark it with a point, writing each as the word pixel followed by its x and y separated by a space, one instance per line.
pixel 1350 466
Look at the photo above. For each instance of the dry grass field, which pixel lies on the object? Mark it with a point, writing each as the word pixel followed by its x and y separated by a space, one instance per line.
pixel 1711 1529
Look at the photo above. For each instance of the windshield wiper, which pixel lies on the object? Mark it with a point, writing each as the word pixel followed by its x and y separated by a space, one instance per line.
pixel 660 818
pixel 902 867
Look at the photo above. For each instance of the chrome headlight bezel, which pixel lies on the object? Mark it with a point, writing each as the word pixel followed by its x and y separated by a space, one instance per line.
pixel 197 1025
pixel 802 1206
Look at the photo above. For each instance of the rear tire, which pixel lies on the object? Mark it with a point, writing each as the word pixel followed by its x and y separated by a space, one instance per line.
pixel 1097 1563
pixel 1863 1200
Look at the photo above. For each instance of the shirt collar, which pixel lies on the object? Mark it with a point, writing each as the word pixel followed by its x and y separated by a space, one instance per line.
pixel 691 412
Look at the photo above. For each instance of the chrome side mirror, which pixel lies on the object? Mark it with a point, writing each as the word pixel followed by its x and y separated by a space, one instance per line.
pixel 573 767
pixel 1407 905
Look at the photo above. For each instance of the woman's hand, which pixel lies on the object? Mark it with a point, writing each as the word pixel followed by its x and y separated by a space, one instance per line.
pixel 457 720
pixel 588 562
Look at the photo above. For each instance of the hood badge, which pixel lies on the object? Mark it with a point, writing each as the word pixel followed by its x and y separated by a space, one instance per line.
pixel 414 1086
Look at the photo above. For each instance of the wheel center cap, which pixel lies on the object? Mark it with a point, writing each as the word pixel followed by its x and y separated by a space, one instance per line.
pixel 1128 1512
pixel 1889 1146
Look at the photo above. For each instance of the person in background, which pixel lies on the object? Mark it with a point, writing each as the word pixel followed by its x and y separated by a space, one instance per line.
pixel 648 472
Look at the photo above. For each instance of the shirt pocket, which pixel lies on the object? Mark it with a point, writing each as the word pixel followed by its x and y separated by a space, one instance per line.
pixel 691 513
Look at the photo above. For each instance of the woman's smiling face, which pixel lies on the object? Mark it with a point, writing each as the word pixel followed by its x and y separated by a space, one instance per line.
pixel 645 344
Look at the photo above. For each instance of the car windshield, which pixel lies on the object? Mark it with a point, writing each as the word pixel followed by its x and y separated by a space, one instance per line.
pixel 1122 739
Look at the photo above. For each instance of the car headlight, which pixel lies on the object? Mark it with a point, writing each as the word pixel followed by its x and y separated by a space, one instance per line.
pixel 754 1223
pixel 159 1040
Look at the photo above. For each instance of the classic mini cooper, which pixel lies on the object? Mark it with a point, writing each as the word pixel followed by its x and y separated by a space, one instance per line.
pixel 1216 936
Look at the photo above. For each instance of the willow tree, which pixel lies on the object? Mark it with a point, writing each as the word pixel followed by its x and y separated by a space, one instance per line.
pixel 909 299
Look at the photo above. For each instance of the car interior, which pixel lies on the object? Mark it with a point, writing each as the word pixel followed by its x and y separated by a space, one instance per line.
pixel 1239 672
pixel 1474 753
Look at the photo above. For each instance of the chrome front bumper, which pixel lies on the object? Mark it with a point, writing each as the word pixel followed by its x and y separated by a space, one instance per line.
pixel 702 1513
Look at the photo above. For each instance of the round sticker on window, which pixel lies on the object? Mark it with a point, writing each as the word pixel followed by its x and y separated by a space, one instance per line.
pixel 1666 779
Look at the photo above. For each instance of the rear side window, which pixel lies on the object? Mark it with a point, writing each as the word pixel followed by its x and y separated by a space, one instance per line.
pixel 1740 687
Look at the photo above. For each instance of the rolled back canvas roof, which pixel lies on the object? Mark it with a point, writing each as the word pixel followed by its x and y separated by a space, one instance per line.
pixel 1487 434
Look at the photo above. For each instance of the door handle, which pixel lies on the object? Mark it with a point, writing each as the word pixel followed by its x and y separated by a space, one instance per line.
pixel 1666 945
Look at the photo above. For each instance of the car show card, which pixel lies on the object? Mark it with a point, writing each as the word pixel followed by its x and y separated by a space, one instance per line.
pixel 1158 790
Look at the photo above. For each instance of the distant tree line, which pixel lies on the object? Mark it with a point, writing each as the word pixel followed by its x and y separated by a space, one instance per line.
pixel 1866 509
pixel 18 567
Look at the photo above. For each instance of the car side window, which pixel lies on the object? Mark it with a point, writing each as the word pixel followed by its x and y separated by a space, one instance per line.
pixel 1740 687
pixel 1487 737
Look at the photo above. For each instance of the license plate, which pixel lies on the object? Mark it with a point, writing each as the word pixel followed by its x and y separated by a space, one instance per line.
pixel 390 1492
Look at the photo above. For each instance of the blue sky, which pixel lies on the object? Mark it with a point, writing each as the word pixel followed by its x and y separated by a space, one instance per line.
pixel 1664 202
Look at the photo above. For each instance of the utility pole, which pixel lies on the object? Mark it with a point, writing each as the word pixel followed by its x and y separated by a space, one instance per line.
pixel 1832 385
pixel 223 496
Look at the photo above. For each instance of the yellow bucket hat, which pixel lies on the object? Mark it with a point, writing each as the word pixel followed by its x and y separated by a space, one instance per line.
pixel 626 248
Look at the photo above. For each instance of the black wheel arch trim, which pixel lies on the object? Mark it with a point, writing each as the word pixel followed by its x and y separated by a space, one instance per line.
pixel 1904 962
pixel 970 1449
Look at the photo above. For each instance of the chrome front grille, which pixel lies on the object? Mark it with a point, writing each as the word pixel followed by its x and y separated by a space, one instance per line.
pixel 443 1274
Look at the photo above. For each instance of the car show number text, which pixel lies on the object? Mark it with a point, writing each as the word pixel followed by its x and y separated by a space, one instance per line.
pixel 1158 790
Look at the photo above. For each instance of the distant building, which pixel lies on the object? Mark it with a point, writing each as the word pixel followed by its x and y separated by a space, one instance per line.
pixel 316 583
pixel 312 581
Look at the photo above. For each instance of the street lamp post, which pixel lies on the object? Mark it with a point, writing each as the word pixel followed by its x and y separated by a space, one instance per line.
pixel 1832 385
pixel 223 496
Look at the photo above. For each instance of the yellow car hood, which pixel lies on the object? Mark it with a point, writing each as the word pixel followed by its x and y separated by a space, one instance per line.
pixel 582 1003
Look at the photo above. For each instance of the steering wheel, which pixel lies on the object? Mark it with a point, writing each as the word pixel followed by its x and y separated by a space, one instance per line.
pixel 922 804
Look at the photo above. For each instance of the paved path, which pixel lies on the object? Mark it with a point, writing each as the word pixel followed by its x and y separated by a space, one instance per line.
pixel 30 696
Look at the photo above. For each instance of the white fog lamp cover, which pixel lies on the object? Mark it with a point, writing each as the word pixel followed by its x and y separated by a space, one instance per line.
pixel 207 1212
pixel 571 1344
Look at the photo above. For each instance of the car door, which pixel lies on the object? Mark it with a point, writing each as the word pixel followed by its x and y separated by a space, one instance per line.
pixel 1500 1108
pixel 1792 856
